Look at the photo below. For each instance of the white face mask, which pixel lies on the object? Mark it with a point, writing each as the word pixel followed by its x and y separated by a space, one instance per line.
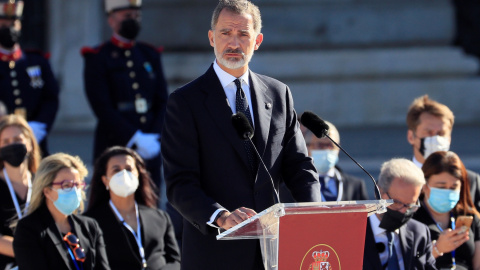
pixel 429 145
pixel 124 183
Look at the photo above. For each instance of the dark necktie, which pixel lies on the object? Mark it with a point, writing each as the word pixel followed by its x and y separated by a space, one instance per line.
pixel 241 104
pixel 328 188
pixel 392 254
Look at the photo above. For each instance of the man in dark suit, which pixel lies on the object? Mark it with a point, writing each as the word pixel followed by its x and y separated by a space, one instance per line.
pixel 430 126
pixel 335 184
pixel 28 87
pixel 126 87
pixel 393 240
pixel 212 179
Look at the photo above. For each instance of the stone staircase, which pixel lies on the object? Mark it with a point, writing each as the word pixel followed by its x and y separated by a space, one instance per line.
pixel 353 87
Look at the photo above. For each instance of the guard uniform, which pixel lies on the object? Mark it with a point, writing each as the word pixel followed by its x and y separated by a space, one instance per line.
pixel 28 88
pixel 127 91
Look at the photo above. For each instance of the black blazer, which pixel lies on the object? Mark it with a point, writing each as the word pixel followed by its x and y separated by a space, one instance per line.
pixel 158 239
pixel 416 247
pixel 206 166
pixel 354 189
pixel 474 179
pixel 38 243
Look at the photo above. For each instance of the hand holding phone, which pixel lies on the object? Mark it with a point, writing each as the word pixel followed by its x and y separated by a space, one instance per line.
pixel 463 223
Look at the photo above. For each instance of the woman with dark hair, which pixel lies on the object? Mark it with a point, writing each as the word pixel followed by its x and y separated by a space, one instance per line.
pixel 19 159
pixel 446 198
pixel 51 235
pixel 123 201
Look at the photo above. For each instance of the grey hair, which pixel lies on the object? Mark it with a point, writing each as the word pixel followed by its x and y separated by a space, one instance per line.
pixel 238 7
pixel 400 168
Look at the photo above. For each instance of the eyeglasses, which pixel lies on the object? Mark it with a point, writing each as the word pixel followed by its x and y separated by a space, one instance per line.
pixel 67 185
pixel 74 244
pixel 398 205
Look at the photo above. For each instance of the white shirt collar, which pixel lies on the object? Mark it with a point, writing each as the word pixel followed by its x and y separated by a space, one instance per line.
pixel 375 224
pixel 416 162
pixel 226 78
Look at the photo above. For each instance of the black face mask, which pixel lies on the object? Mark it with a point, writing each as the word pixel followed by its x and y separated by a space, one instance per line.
pixel 393 220
pixel 14 154
pixel 8 37
pixel 129 28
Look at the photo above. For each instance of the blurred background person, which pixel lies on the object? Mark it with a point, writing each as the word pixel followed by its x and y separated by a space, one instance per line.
pixel 430 126
pixel 28 86
pixel 51 235
pixel 123 201
pixel 3 109
pixel 392 238
pixel 126 87
pixel 19 159
pixel 445 197
pixel 336 185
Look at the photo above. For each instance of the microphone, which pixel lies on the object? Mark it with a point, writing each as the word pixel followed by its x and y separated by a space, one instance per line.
pixel 242 126
pixel 245 132
pixel 315 124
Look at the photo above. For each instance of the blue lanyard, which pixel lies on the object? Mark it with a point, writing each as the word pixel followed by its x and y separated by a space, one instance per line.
pixel 137 235
pixel 452 222
pixel 73 258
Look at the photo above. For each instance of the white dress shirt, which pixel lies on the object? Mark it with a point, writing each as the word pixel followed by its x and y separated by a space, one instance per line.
pixel 231 89
pixel 381 236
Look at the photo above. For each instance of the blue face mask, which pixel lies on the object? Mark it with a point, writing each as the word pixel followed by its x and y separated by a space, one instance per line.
pixel 443 200
pixel 68 201
pixel 324 160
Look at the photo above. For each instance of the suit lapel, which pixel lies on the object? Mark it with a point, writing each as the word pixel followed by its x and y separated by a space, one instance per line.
pixel 55 236
pixel 220 112
pixel 262 110
pixel 371 259
pixel 406 241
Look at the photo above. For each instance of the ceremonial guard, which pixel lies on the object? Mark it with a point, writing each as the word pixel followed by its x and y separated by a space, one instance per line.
pixel 126 87
pixel 27 85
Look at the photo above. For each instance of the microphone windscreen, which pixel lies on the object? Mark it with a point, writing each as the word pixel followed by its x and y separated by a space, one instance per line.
pixel 242 126
pixel 314 123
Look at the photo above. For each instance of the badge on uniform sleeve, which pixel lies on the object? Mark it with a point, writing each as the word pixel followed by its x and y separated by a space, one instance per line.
pixel 35 73
pixel 149 69
pixel 141 105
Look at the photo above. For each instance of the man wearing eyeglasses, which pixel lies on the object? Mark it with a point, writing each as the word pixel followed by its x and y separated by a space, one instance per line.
pixel 393 240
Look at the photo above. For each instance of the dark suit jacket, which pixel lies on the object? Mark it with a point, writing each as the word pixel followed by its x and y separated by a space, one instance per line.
pixel 354 189
pixel 158 239
pixel 38 243
pixel 206 165
pixel 416 247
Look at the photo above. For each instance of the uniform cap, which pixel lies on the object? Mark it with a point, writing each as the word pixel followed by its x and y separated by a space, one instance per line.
pixel 11 9
pixel 114 5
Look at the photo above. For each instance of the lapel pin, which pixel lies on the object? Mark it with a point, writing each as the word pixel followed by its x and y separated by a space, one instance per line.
pixel 268 106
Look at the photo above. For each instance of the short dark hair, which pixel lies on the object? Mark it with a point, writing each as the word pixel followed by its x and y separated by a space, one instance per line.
pixel 238 7
pixel 424 104
pixel 146 191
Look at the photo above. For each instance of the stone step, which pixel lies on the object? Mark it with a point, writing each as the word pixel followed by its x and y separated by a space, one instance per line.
pixel 308 24
pixel 338 64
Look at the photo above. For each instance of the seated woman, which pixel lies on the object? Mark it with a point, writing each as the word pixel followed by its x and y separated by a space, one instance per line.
pixel 19 159
pixel 445 197
pixel 122 200
pixel 51 236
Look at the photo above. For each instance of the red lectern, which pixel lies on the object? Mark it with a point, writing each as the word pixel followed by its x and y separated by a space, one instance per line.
pixel 310 236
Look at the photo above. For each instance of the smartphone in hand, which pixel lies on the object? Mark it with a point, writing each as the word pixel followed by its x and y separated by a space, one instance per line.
pixel 463 223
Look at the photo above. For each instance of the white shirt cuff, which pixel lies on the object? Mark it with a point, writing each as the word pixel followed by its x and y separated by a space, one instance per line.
pixel 212 218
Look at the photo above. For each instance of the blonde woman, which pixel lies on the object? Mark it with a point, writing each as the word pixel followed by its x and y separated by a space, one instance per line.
pixel 51 236
pixel 19 159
